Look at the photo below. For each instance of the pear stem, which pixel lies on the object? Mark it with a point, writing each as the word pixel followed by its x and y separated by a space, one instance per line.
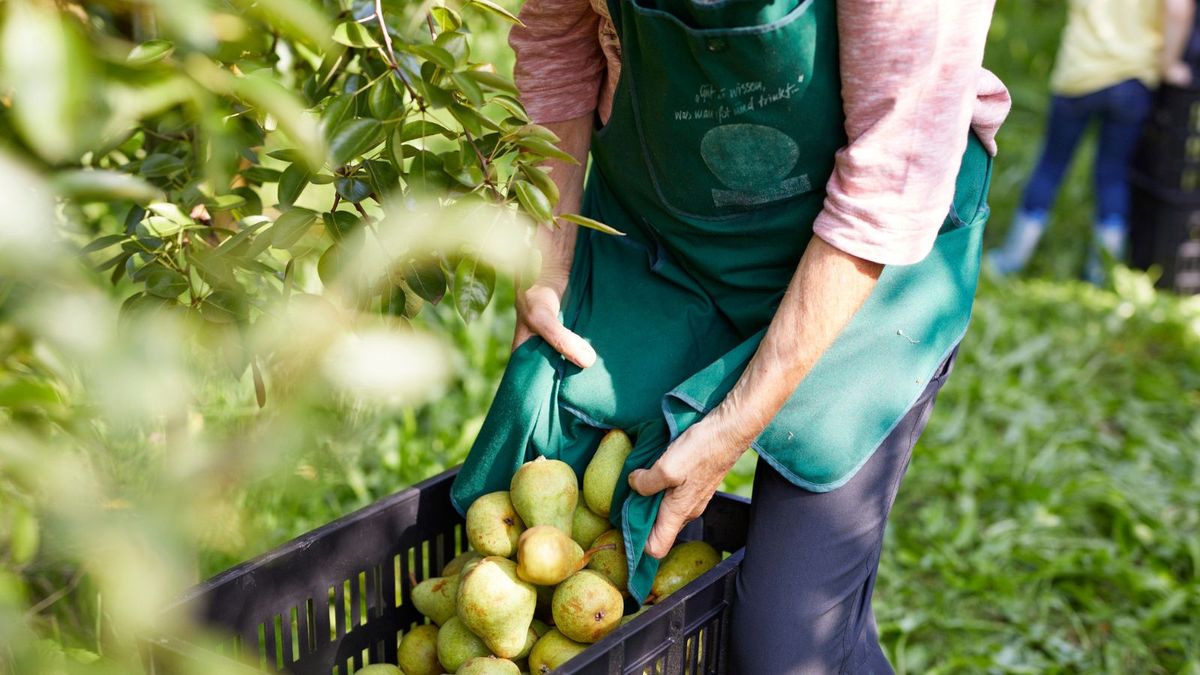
pixel 587 555
pixel 412 578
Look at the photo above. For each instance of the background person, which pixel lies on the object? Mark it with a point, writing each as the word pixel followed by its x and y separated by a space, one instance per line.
pixel 1113 54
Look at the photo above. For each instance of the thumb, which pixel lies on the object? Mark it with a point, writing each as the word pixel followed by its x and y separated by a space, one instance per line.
pixel 647 482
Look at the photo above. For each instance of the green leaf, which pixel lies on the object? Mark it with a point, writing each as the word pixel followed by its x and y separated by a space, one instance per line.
pixel 261 174
pixel 397 302
pixel 590 223
pixel 512 105
pixel 456 46
pixel 353 190
pixel 447 18
pixel 161 165
pixel 384 101
pixel 338 109
pixel 534 201
pixel 149 52
pixel 224 203
pixel 171 212
pixel 104 242
pixel 291 226
pixel 24 535
pixel 532 130
pixel 339 224
pixel 493 8
pixel 354 138
pixel 249 227
pixel 224 307
pixel 492 80
pixel 545 148
pixel 384 177
pixel 541 178
pixel 102 185
pixel 474 283
pixel 421 129
pixel 469 88
pixel 426 278
pixel 292 183
pixel 289 155
pixel 354 34
pixel 164 282
pixel 433 54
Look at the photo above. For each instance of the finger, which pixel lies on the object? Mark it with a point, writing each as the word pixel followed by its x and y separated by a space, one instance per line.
pixel 670 521
pixel 647 482
pixel 570 345
pixel 520 335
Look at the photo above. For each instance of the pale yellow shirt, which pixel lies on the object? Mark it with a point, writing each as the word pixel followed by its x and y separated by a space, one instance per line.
pixel 1107 42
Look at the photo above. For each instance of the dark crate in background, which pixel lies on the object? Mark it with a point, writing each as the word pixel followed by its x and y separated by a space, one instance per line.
pixel 1165 183
pixel 337 598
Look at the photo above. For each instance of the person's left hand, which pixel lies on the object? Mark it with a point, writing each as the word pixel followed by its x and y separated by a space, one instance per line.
pixel 690 471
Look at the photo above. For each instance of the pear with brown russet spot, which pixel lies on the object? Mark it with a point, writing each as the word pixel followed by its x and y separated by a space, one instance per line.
pixel 587 606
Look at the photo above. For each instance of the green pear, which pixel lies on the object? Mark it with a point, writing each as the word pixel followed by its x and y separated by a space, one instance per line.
pixel 540 628
pixel 546 556
pixel 456 565
pixel 489 665
pixel 456 645
pixel 497 605
pixel 545 492
pixel 682 565
pixel 418 651
pixel 436 598
pixel 587 606
pixel 493 525
pixel 609 559
pixel 529 642
pixel 586 526
pixel 379 669
pixel 551 651
pixel 602 473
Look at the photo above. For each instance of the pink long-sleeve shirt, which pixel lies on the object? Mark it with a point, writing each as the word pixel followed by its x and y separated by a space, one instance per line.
pixel 912 86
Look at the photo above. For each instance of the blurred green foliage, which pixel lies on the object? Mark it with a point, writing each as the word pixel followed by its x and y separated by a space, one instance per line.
pixel 1048 522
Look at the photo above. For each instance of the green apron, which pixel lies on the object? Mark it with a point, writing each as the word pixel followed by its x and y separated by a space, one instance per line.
pixel 714 161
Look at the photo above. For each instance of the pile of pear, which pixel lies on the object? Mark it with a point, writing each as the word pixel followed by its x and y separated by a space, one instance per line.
pixel 546 575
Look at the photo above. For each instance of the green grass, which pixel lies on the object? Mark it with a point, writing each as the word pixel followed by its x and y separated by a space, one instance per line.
pixel 1050 521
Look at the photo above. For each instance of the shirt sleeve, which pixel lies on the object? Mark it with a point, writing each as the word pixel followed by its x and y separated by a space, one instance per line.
pixel 559 61
pixel 910 74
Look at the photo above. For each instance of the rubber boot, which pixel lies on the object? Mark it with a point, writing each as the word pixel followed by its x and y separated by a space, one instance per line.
pixel 1022 239
pixel 1109 236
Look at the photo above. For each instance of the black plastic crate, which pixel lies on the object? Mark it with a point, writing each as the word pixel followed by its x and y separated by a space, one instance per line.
pixel 1168 154
pixel 337 598
pixel 1165 231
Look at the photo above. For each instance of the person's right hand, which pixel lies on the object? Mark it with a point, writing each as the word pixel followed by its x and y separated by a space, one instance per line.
pixel 537 314
pixel 1178 74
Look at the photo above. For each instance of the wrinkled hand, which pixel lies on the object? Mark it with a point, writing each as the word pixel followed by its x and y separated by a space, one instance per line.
pixel 537 314
pixel 690 471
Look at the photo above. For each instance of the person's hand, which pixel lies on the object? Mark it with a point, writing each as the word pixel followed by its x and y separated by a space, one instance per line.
pixel 1178 74
pixel 690 471
pixel 537 314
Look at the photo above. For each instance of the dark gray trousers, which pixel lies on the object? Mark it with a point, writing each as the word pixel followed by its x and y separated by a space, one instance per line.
pixel 803 603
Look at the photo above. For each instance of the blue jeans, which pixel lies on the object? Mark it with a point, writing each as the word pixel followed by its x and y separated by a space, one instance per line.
pixel 1121 110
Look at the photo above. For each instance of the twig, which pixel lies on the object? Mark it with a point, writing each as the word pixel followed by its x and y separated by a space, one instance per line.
pixel 54 597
